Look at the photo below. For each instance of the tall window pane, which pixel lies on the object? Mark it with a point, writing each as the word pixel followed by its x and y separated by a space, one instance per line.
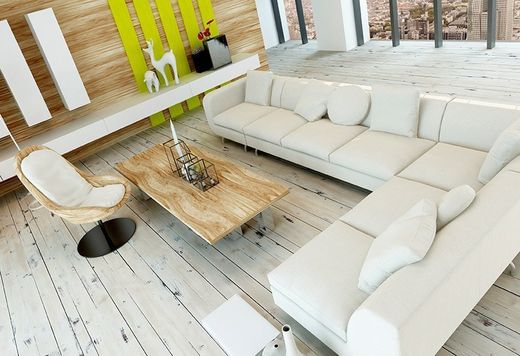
pixel 416 19
pixel 292 19
pixel 455 19
pixel 379 19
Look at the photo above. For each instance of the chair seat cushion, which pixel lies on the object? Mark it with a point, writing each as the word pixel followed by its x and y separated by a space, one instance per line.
pixel 322 276
pixel 447 166
pixel 104 197
pixel 381 208
pixel 380 154
pixel 321 138
pixel 55 178
pixel 241 115
pixel 274 126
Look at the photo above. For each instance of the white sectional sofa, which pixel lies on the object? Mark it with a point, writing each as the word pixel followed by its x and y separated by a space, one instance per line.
pixel 414 311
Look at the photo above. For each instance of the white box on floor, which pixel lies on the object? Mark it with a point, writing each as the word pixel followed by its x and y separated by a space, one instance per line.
pixel 238 328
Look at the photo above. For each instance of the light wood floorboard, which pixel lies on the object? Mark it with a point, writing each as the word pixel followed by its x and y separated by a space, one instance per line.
pixel 462 68
pixel 149 297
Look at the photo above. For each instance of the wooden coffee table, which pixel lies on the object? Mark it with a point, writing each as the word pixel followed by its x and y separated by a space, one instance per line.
pixel 240 196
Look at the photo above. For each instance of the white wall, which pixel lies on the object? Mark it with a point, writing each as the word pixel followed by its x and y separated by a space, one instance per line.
pixel 335 25
pixel 267 23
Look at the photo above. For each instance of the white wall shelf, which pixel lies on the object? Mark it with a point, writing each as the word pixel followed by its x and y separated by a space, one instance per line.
pixel 129 110
pixel 19 78
pixel 49 38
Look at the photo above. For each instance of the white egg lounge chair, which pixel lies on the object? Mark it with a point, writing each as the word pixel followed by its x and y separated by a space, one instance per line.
pixel 77 197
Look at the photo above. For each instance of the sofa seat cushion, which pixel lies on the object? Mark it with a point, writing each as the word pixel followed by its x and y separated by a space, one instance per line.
pixel 274 126
pixel 321 138
pixel 322 276
pixel 382 207
pixel 241 115
pixel 447 166
pixel 380 154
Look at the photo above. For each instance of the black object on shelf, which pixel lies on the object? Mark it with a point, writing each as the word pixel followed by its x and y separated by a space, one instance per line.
pixel 218 50
pixel 201 60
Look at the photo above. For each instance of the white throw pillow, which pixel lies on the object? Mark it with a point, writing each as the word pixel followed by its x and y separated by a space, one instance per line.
pixel 348 105
pixel 312 104
pixel 405 241
pixel 54 177
pixel 504 150
pixel 395 109
pixel 453 203
pixel 258 87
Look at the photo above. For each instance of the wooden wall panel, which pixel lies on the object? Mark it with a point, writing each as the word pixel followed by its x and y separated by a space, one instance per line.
pixel 92 36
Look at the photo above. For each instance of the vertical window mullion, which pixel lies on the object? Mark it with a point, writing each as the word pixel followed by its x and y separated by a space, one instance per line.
pixel 394 22
pixel 437 19
pixel 301 21
pixel 491 23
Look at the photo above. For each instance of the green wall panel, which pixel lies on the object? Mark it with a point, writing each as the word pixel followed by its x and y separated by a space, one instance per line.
pixel 173 36
pixel 132 47
pixel 151 32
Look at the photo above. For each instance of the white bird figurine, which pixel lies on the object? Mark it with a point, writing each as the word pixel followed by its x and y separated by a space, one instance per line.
pixel 160 65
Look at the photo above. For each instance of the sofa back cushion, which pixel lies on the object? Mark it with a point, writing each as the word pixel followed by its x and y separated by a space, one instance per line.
pixel 395 109
pixel 431 110
pixel 258 87
pixel 277 90
pixel 475 124
pixel 312 104
pixel 348 105
pixel 292 91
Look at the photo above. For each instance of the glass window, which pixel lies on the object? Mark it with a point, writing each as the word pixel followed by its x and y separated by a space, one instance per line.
pixel 455 20
pixel 292 19
pixel 379 19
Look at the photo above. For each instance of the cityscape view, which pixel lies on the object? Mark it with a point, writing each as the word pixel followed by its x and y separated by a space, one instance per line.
pixel 462 19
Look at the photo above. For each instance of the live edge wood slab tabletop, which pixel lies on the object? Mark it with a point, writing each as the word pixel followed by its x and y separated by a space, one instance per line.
pixel 240 196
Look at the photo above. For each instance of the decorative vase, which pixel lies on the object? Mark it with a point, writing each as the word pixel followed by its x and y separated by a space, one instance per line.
pixel 218 50
pixel 290 344
pixel 201 60
pixel 274 348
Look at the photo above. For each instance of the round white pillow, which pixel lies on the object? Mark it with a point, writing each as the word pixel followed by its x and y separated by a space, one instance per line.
pixel 348 105
pixel 453 203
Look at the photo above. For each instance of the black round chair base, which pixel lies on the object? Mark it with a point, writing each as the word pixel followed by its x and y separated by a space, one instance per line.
pixel 107 237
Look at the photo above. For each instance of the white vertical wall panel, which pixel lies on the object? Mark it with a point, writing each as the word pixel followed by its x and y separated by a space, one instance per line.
pixel 4 131
pixel 47 32
pixel 19 78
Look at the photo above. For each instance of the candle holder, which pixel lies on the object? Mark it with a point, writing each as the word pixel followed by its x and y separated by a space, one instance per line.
pixel 203 174
pixel 179 157
pixel 197 171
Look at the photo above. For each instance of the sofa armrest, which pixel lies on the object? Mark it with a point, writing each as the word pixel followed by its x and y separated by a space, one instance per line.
pixel 417 309
pixel 224 98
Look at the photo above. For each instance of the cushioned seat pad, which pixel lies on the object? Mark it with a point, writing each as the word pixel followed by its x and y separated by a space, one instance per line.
pixel 380 154
pixel 241 115
pixel 389 202
pixel 105 197
pixel 55 178
pixel 447 166
pixel 337 254
pixel 321 138
pixel 274 126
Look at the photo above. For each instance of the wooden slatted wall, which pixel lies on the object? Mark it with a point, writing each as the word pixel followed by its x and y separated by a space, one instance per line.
pixel 92 36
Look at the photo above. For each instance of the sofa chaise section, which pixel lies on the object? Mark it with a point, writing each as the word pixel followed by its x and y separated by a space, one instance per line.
pixel 415 310
pixel 323 310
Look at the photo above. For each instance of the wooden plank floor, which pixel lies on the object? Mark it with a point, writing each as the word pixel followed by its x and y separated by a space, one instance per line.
pixel 459 68
pixel 150 296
